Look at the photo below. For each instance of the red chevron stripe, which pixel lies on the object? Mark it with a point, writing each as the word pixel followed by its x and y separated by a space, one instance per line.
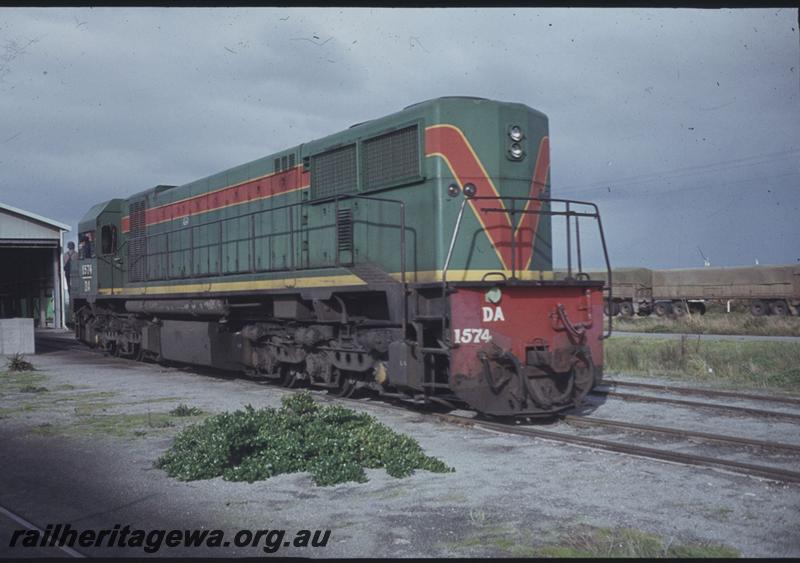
pixel 528 225
pixel 450 143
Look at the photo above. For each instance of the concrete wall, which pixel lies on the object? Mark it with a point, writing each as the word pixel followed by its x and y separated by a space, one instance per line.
pixel 16 337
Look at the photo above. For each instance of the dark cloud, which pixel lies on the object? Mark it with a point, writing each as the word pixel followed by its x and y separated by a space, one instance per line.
pixel 658 115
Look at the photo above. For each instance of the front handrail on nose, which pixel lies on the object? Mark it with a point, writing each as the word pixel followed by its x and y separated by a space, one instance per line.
pixel 568 213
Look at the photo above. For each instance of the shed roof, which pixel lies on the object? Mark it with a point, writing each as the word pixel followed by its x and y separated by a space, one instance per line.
pixel 34 217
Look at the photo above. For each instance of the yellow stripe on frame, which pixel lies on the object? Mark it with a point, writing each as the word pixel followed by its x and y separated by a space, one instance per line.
pixel 321 281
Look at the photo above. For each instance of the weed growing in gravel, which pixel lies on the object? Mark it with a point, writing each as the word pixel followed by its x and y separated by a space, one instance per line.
pixel 333 443
pixel 17 362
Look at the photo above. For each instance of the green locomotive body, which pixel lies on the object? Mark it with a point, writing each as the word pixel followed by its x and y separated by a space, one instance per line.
pixel 344 262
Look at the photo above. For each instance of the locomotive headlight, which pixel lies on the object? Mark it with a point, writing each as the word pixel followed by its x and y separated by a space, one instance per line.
pixel 453 190
pixel 470 190
pixel 515 151
pixel 515 133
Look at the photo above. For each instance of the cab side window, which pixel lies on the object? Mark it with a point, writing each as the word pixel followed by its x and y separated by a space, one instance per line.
pixel 86 245
pixel 108 239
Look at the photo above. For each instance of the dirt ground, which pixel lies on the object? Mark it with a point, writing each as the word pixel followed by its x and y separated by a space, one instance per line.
pixel 80 437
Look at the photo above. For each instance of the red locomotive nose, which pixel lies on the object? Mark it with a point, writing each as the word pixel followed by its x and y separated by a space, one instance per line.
pixel 533 351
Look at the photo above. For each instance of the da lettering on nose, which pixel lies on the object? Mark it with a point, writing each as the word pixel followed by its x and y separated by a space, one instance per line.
pixel 493 314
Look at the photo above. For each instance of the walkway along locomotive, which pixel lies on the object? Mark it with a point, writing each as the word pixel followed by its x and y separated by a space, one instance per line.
pixel 409 254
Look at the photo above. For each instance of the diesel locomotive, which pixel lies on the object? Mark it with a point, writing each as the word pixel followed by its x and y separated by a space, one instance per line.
pixel 410 254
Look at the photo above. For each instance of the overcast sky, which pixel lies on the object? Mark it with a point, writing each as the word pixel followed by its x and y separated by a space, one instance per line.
pixel 682 124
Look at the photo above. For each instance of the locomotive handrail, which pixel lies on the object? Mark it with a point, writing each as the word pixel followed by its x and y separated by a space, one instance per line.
pixel 567 213
pixel 250 216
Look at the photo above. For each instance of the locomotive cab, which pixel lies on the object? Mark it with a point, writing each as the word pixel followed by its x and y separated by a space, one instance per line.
pixel 99 263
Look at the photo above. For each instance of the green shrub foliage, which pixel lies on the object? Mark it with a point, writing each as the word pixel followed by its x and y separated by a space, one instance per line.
pixel 333 443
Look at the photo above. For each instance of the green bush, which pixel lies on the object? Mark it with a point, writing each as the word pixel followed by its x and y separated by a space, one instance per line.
pixel 333 443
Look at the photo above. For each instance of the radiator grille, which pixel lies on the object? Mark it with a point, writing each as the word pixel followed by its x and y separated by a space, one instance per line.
pixel 391 157
pixel 137 243
pixel 334 172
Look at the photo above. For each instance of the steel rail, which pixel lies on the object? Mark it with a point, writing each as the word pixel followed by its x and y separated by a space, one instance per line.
pixel 696 404
pixel 704 392
pixel 704 436
pixel 773 473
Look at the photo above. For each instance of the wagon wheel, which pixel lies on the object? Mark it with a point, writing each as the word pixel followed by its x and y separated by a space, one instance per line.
pixel 661 309
pixel 778 308
pixel 758 308
pixel 626 309
pixel 678 308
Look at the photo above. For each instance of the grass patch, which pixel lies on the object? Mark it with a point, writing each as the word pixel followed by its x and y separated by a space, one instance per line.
pixel 33 389
pixel 488 540
pixel 626 542
pixel 761 365
pixel 713 323
pixel 185 410
pixel 16 381
pixel 333 443
pixel 123 425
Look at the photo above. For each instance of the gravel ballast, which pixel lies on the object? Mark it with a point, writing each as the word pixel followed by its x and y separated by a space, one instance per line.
pixel 508 494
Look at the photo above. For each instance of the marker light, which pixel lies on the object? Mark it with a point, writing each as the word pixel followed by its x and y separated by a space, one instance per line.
pixel 470 190
pixel 453 190
pixel 494 295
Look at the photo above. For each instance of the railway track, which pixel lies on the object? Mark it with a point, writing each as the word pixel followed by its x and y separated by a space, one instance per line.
pixel 762 471
pixel 774 473
pixel 697 404
pixel 704 392
pixel 680 433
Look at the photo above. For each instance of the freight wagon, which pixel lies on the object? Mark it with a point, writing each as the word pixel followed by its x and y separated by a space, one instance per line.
pixel 765 289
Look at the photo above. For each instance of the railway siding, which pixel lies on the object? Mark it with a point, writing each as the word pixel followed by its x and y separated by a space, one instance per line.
pixel 487 497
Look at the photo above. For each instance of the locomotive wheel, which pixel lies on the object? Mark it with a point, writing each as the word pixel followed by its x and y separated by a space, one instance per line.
pixel 662 308
pixel 344 384
pixel 778 308
pixel 626 309
pixel 758 308
pixel 289 377
pixel 347 388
